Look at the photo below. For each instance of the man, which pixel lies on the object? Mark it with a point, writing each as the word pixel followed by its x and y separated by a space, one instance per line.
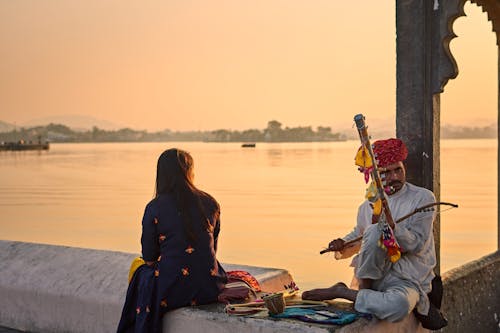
pixel 390 290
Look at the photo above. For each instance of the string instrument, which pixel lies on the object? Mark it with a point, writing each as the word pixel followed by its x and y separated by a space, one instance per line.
pixel 423 208
pixel 367 162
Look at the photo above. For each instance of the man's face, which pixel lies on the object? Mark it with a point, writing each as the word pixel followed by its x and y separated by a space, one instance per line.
pixel 394 176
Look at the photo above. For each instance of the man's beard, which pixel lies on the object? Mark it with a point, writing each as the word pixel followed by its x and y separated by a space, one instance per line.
pixel 395 186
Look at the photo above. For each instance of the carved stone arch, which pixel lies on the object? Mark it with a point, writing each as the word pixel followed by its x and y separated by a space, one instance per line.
pixel 449 11
pixel 492 9
pixel 424 29
pixel 446 64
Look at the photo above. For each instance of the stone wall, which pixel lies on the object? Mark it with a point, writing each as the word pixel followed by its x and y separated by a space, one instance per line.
pixel 471 299
pixel 47 288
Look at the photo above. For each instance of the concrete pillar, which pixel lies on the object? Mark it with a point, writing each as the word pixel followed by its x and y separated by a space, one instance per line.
pixel 417 107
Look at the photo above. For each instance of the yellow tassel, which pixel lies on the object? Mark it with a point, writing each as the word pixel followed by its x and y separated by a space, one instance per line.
pixel 395 257
pixel 363 158
pixel 371 192
pixel 377 207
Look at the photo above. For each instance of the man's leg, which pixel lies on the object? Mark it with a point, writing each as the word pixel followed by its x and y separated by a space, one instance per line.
pixel 373 263
pixel 339 290
pixel 392 304
pixel 371 256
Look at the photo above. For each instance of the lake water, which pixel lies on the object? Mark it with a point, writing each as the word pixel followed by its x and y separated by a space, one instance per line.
pixel 281 203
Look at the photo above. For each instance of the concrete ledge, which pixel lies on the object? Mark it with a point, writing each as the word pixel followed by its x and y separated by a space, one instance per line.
pixel 203 320
pixel 47 288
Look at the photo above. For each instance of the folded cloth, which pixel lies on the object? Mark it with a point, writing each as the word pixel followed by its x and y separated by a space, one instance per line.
pixel 320 315
pixel 249 279
pixel 241 287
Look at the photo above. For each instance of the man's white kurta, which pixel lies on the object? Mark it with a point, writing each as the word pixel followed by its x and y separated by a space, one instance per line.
pixel 414 235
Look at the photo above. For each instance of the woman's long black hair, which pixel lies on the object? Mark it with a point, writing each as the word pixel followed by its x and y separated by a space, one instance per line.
pixel 174 175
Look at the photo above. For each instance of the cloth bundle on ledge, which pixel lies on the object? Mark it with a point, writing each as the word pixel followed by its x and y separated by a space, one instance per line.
pixel 319 315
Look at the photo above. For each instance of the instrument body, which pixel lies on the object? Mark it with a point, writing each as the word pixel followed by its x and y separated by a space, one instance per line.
pixel 381 212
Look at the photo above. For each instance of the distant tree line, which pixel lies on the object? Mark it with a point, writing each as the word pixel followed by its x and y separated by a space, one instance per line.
pixel 273 133
pixel 460 132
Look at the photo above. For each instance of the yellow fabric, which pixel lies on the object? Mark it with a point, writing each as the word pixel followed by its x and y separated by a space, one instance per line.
pixel 377 207
pixel 373 197
pixel 395 257
pixel 371 192
pixel 363 158
pixel 136 263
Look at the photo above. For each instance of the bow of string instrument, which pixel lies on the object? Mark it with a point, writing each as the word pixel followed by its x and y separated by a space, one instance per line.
pixel 423 208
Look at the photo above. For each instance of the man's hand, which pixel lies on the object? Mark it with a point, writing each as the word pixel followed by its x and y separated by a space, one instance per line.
pixel 336 244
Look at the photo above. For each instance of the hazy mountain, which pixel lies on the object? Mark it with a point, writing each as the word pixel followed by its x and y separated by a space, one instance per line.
pixel 75 122
pixel 469 132
pixel 6 127
pixel 378 128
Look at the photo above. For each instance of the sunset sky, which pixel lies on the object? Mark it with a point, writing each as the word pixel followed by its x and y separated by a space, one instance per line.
pixel 203 65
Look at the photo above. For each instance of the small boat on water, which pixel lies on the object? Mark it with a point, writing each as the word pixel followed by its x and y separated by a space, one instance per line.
pixel 248 145
pixel 22 145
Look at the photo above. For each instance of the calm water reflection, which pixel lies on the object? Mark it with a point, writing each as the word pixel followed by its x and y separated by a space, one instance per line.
pixel 281 203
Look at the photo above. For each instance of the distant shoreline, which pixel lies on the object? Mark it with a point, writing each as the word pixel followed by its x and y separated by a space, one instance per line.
pixel 273 133
pixel 57 133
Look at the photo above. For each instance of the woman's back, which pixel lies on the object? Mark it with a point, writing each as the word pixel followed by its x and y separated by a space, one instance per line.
pixel 187 269
pixel 180 229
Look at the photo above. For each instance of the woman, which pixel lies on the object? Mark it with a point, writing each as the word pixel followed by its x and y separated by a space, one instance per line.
pixel 180 228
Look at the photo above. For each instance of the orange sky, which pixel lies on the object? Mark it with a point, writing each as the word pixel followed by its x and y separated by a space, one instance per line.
pixel 190 64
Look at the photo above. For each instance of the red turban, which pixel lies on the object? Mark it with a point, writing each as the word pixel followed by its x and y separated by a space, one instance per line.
pixel 389 151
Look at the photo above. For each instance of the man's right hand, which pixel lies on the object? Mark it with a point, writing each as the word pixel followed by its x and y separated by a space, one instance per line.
pixel 336 244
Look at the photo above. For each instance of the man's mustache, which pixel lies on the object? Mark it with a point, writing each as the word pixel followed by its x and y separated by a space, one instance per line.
pixel 396 183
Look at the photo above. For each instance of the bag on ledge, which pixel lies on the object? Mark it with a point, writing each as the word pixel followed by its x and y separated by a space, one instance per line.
pixel 241 287
pixel 434 320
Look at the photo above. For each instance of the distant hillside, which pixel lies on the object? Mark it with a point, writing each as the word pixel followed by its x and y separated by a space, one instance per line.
pixel 469 132
pixel 75 122
pixel 380 130
pixel 87 129
pixel 6 127
pixel 273 133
